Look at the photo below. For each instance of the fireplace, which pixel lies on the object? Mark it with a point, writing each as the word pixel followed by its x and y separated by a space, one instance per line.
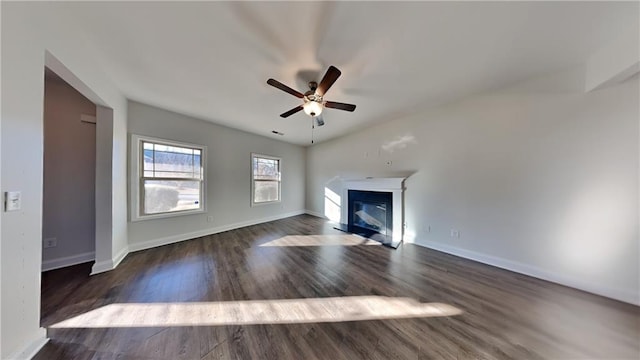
pixel 374 208
pixel 371 211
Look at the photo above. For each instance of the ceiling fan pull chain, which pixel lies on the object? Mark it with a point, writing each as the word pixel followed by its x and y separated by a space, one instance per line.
pixel 313 126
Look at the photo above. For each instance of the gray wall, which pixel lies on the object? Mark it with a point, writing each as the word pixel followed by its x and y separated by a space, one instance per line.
pixel 68 212
pixel 228 177
pixel 540 178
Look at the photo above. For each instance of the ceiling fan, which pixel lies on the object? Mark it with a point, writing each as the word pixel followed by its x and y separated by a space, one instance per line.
pixel 313 100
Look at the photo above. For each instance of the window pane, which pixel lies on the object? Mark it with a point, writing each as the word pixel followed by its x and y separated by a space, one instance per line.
pixel 148 157
pixel 173 164
pixel 197 164
pixel 165 196
pixel 266 169
pixel 171 161
pixel 266 191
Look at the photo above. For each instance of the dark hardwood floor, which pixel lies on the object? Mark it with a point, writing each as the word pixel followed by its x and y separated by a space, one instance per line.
pixel 225 296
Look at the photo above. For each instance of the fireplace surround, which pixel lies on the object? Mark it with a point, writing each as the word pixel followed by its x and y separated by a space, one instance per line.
pixel 374 208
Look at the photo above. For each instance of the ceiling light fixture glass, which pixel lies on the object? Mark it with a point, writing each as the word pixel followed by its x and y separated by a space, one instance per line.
pixel 312 108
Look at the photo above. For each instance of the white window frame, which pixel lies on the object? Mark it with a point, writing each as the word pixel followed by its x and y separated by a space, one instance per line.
pixel 253 202
pixel 137 178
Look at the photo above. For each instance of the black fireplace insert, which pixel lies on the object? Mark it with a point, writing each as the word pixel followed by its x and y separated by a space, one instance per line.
pixel 370 214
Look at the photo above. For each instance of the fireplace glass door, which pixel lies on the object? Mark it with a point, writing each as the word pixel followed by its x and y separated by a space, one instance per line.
pixel 370 212
pixel 370 215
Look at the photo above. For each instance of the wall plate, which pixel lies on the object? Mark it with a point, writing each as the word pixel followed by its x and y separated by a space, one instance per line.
pixel 12 201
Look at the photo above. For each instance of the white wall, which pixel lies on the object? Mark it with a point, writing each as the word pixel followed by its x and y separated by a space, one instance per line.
pixel 28 30
pixel 540 178
pixel 1 194
pixel 69 176
pixel 228 177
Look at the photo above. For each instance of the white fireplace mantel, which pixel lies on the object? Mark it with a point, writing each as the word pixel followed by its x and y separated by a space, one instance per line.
pixel 375 184
pixel 392 185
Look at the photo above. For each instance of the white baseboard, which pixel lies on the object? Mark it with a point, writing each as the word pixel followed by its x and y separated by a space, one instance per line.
pixel 314 213
pixel 31 348
pixel 120 256
pixel 108 265
pixel 195 234
pixel 623 295
pixel 102 266
pixel 68 261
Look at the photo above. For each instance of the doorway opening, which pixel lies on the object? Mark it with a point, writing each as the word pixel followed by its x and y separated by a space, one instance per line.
pixel 69 168
pixel 85 154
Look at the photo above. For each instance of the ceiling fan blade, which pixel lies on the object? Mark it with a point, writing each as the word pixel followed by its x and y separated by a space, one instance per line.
pixel 285 88
pixel 291 112
pixel 339 106
pixel 319 120
pixel 329 78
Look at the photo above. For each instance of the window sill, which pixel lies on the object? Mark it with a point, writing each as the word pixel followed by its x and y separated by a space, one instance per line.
pixel 265 203
pixel 167 215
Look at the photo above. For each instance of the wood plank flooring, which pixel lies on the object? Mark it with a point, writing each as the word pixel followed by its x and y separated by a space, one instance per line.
pixel 321 296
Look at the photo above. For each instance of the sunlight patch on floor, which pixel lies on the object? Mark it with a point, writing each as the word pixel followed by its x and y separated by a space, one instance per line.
pixel 252 312
pixel 321 240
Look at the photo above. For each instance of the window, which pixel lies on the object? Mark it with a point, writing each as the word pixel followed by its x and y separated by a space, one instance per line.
pixel 265 175
pixel 169 178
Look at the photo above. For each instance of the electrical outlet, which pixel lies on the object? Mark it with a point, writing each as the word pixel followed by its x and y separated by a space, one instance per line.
pixel 50 242
pixel 209 218
pixel 455 233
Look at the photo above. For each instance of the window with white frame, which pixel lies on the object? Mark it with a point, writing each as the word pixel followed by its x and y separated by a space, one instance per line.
pixel 169 178
pixel 265 179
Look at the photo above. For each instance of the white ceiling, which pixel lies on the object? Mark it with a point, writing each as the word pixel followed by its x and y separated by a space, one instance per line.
pixel 211 60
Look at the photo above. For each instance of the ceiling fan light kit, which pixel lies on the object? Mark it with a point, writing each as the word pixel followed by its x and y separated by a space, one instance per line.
pixel 312 108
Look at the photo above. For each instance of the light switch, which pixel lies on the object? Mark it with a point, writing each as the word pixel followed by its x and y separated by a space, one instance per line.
pixel 12 201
